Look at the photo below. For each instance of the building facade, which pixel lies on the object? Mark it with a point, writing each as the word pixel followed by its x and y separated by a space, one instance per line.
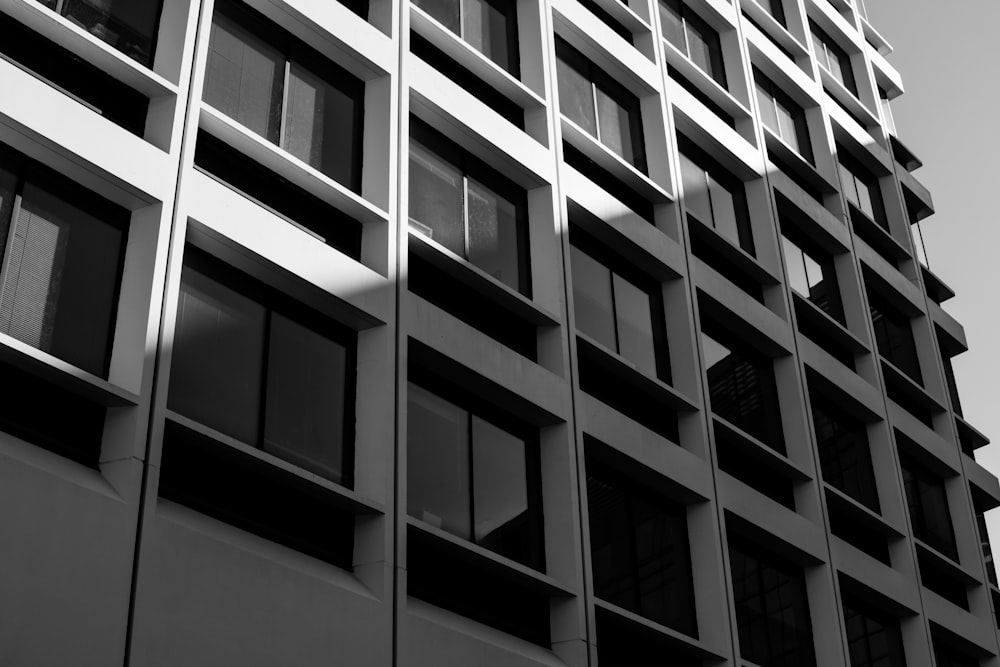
pixel 654 373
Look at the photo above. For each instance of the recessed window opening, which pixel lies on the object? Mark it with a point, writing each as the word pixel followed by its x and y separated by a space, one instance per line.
pixel 488 26
pixel 811 273
pixel 782 115
pixel 129 26
pixel 833 58
pixel 693 37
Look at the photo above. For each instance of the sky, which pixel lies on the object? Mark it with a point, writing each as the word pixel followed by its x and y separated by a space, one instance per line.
pixel 948 55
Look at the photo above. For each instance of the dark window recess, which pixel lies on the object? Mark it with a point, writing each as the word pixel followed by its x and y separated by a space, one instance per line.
pixel 873 637
pixel 811 328
pixel 713 196
pixel 623 643
pixel 72 75
pixel 741 385
pixel 608 387
pixel 946 656
pixel 27 407
pixel 263 186
pixel 256 497
pixel 935 578
pixel 775 8
pixel 63 249
pixel 861 187
pixel 894 336
pixel 794 174
pixel 473 472
pixel 618 306
pixel 283 90
pixel 478 88
pixel 844 452
pixel 444 291
pixel 782 115
pixel 447 578
pixel 693 37
pixel 639 547
pixel 767 33
pixel 609 182
pixel 468 207
pixel 696 92
pixel 262 370
pixel 129 26
pixel 862 537
pixel 811 272
pixel 600 105
pixel 772 611
pixel 734 459
pixel 984 539
pixel 488 26
pixel 608 20
pixel 905 401
pixel 833 58
pixel 949 377
pixel 927 502
pixel 703 248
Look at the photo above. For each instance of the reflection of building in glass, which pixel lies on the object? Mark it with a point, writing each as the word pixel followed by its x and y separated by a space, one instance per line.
pixel 474 332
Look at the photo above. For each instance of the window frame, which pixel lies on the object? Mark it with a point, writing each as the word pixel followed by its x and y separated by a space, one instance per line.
pixel 626 99
pixel 830 47
pixel 294 51
pixel 682 11
pixel 507 9
pixel 471 166
pixel 782 101
pixel 854 176
pixel 272 302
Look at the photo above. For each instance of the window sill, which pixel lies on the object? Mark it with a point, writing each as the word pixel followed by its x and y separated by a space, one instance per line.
pixel 705 83
pixel 227 130
pixel 776 32
pixel 876 235
pixel 908 386
pixel 803 168
pixel 762 452
pixel 500 565
pixel 831 327
pixel 741 260
pixel 858 111
pixel 478 280
pixel 72 37
pixel 612 163
pixel 691 645
pixel 58 372
pixel 948 566
pixel 622 13
pixel 633 376
pixel 338 496
pixel 453 46
pixel 861 513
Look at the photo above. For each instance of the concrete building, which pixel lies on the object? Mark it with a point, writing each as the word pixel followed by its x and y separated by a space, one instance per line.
pixel 653 374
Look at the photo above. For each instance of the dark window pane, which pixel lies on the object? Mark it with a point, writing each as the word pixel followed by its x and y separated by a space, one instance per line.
pixel 592 299
pixel 304 415
pixel 894 337
pixel 927 502
pixel 499 480
pixel 436 199
pixel 845 456
pixel 873 640
pixel 59 278
pixel 486 30
pixel 576 97
pixel 218 351
pixel 244 77
pixel 447 12
pixel 611 544
pixel 128 25
pixel 673 24
pixel 635 325
pixel 493 234
pixel 438 462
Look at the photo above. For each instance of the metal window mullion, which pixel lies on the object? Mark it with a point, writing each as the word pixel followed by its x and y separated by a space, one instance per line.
pixel 472 484
pixel 614 312
pixel 262 400
pixel 465 215
pixel 597 117
pixel 284 102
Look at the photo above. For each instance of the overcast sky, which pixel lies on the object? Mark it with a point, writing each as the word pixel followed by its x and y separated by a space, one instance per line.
pixel 949 57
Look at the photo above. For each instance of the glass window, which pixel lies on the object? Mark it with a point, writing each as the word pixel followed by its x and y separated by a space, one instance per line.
pixel 894 336
pixel 927 501
pixel 639 547
pixel 775 9
pixel 873 639
pixel 845 456
pixel 812 275
pixel 782 115
pixel 693 37
pixel 713 196
pixel 862 189
pixel 284 91
pixel 618 313
pixel 472 478
pixel 599 105
pixel 260 375
pixel 489 26
pixel 451 203
pixel 833 58
pixel 772 610
pixel 128 25
pixel 741 385
pixel 61 264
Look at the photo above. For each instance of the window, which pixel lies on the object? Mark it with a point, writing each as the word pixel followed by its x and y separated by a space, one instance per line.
pixel 861 189
pixel 927 501
pixel 873 638
pixel 264 372
pixel 894 336
pixel 473 478
pixel 811 274
pixel 772 610
pixel 713 196
pixel 883 101
pixel 833 58
pixel 128 25
pixel 946 656
pixel 623 314
pixel 741 385
pixel 287 93
pixel 844 453
pixel 782 116
pixel 774 8
pixel 639 547
pixel 488 26
pixel 600 105
pixel 63 250
pixel 693 37
pixel 451 203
